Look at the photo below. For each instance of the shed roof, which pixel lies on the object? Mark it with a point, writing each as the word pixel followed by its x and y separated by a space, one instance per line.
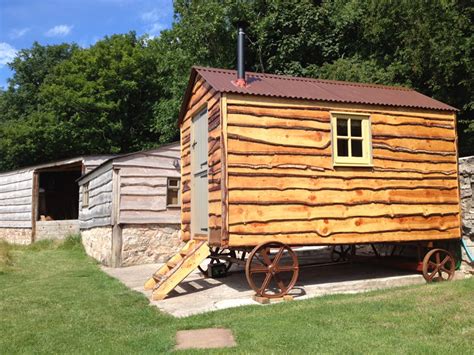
pixel 110 162
pixel 291 87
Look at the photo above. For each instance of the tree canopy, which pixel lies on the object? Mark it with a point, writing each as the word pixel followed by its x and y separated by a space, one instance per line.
pixel 124 92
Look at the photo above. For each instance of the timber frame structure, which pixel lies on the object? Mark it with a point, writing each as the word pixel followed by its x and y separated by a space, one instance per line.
pixel 286 167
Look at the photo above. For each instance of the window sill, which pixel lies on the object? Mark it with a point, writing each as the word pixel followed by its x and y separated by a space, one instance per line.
pixel 173 206
pixel 353 165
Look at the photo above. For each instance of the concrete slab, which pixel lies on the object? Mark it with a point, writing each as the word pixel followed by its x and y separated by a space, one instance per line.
pixel 204 339
pixel 197 294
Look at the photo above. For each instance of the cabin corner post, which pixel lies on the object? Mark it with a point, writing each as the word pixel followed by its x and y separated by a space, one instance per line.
pixel 225 175
pixel 457 173
pixel 115 220
pixel 34 205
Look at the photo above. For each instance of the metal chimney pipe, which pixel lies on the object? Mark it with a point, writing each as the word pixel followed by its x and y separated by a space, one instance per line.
pixel 241 54
pixel 241 51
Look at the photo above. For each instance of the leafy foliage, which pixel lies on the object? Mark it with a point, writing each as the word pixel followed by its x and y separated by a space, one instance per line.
pixel 124 92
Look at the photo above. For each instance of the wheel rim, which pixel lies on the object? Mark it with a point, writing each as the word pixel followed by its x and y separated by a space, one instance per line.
pixel 438 265
pixel 216 252
pixel 272 269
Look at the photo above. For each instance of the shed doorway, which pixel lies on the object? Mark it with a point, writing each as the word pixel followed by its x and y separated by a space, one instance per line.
pixel 58 195
pixel 199 170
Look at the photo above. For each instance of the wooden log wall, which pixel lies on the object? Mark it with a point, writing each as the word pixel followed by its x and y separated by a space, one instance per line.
pixel 16 199
pixel 98 213
pixel 143 186
pixel 202 96
pixel 283 185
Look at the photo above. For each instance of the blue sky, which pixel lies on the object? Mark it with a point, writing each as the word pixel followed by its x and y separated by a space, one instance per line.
pixel 82 21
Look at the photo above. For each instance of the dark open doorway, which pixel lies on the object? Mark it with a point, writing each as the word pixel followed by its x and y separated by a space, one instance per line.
pixel 58 194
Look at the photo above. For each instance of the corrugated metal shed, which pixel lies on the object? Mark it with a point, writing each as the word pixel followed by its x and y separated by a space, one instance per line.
pixel 315 89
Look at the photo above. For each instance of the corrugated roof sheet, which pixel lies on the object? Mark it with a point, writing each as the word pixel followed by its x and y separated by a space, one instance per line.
pixel 317 89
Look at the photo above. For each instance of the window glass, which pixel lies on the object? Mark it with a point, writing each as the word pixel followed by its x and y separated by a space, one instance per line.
pixel 85 195
pixel 356 128
pixel 173 192
pixel 343 147
pixel 356 146
pixel 342 127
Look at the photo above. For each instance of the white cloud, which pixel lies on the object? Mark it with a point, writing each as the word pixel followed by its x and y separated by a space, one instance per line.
pixel 7 53
pixel 153 20
pixel 59 31
pixel 155 29
pixel 150 16
pixel 18 32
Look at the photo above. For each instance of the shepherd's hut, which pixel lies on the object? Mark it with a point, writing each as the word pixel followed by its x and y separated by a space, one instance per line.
pixel 273 162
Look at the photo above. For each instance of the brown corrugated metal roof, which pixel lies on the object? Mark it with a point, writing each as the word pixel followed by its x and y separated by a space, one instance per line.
pixel 316 89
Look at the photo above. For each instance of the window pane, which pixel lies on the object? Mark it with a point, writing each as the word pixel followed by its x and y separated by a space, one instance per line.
pixel 356 128
pixel 342 147
pixel 173 182
pixel 341 127
pixel 356 146
pixel 172 197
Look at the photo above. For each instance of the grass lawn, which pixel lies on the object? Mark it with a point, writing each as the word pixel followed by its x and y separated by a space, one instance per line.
pixel 54 299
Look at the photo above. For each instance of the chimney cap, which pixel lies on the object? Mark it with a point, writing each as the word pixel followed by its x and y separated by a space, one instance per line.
pixel 241 23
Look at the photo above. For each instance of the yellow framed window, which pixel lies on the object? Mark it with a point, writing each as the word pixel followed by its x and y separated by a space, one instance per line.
pixel 351 139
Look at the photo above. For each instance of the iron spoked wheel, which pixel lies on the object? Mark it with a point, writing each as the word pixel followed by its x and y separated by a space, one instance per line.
pixel 438 265
pixel 272 269
pixel 214 259
pixel 340 253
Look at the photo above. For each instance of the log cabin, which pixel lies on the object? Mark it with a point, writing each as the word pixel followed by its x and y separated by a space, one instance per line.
pixel 129 210
pixel 41 202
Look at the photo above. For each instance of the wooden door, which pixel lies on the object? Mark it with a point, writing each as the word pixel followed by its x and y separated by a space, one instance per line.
pixel 199 183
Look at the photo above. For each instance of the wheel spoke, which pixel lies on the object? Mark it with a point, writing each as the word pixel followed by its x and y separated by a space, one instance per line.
pixel 257 269
pixel 286 268
pixel 278 256
pixel 265 256
pixel 280 283
pixel 445 260
pixel 265 283
pixel 437 257
pixel 432 275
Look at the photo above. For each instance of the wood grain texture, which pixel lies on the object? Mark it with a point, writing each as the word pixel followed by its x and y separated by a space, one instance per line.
pixel 282 184
pixel 16 191
pixel 202 96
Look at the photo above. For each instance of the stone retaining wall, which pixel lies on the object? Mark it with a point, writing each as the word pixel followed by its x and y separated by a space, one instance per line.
pixel 149 243
pixel 466 184
pixel 98 243
pixel 56 229
pixel 16 235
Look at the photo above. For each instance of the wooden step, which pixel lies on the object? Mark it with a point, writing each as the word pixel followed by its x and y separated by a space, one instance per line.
pixel 165 279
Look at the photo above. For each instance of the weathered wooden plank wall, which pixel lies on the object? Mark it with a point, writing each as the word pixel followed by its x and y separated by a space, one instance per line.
pixel 143 186
pixel 283 185
pixel 15 198
pixel 98 213
pixel 203 95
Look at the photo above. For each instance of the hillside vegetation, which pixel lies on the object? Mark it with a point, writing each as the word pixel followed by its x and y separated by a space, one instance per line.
pixel 123 93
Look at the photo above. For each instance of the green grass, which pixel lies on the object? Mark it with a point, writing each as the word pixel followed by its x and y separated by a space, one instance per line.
pixel 54 299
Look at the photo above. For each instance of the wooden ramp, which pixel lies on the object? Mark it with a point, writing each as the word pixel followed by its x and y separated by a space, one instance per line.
pixel 175 270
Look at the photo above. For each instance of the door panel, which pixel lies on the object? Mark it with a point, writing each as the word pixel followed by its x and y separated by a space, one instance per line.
pixel 199 193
